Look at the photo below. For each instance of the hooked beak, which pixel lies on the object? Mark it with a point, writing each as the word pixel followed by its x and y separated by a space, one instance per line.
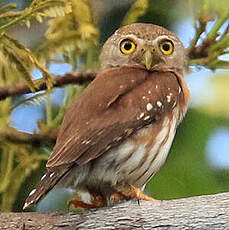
pixel 148 59
pixel 151 58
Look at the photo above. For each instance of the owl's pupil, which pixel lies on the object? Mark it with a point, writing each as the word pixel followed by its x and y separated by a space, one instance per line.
pixel 127 46
pixel 166 47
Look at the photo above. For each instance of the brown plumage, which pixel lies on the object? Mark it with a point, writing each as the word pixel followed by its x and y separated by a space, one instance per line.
pixel 117 134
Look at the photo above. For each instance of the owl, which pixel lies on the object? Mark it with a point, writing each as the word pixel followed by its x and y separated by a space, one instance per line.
pixel 117 134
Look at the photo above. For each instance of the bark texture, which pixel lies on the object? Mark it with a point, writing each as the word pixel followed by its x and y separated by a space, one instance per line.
pixel 203 212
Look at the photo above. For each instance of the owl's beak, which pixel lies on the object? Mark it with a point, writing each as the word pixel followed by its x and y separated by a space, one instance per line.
pixel 150 58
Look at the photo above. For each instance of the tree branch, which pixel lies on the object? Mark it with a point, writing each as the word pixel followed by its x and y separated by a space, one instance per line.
pixel 35 139
pixel 68 78
pixel 203 212
pixel 213 45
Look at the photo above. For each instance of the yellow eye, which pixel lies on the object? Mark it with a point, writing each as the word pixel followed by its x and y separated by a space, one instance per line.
pixel 166 47
pixel 127 46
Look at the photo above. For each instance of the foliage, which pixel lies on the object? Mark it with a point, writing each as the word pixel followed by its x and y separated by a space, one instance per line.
pixel 208 45
pixel 72 36
pixel 78 35
pixel 215 106
pixel 137 10
pixel 14 56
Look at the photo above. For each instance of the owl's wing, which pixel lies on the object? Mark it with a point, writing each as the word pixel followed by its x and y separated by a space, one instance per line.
pixel 114 106
pixel 107 113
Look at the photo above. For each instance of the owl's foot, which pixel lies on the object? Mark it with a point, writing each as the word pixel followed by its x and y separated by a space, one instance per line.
pixel 97 202
pixel 130 192
pixel 80 204
pixel 116 198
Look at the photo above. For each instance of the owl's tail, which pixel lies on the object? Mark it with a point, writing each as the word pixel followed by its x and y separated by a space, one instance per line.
pixel 47 182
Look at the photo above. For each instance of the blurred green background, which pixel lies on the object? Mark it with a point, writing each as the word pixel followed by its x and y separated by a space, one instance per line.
pixel 198 162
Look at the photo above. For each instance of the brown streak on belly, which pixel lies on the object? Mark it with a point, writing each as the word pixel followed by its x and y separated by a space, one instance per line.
pixel 159 149
pixel 147 138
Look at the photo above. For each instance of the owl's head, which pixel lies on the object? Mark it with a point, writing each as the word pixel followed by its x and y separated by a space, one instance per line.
pixel 144 45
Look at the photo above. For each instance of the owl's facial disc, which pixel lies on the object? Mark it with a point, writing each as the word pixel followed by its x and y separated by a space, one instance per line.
pixel 143 45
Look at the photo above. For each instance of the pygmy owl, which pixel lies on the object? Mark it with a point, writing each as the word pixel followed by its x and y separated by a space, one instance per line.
pixel 118 132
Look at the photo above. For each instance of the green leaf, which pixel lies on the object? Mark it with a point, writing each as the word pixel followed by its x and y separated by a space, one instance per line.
pixel 137 10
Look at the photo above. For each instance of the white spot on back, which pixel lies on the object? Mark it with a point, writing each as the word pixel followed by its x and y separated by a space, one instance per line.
pixel 121 86
pixel 179 90
pixel 32 192
pixel 156 86
pixel 144 97
pixel 149 92
pixel 159 104
pixel 174 104
pixel 168 98
pixel 86 142
pixel 100 132
pixel 52 174
pixel 117 138
pixel 141 115
pixel 149 106
pixel 108 147
pixel 25 205
pixel 43 177
pixel 146 118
